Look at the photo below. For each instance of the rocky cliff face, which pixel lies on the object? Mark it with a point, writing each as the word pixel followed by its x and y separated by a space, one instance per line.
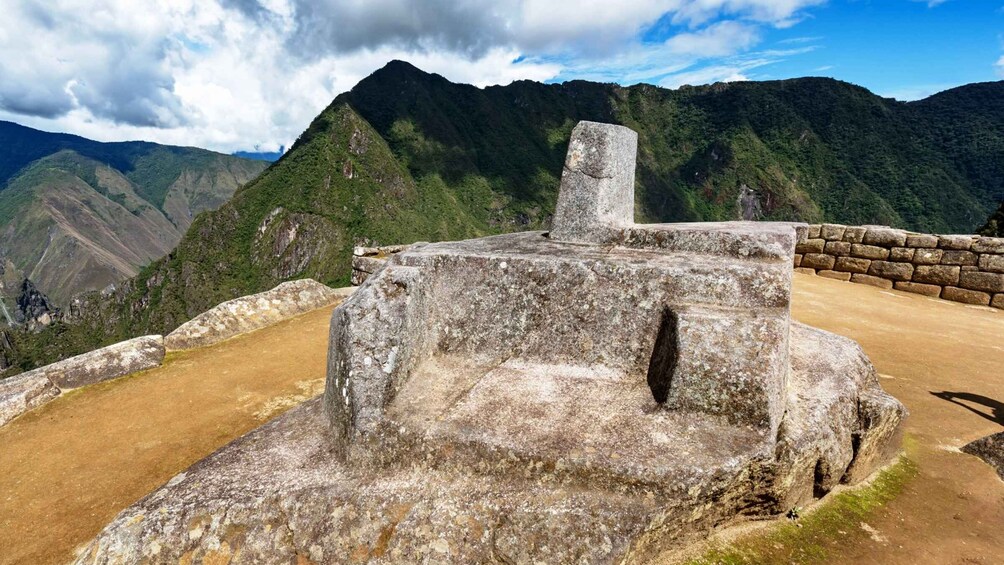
pixel 7 353
pixel 34 310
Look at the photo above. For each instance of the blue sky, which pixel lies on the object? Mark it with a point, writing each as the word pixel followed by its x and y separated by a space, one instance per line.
pixel 902 49
pixel 245 74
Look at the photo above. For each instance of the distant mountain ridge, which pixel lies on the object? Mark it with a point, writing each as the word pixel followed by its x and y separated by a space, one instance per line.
pixel 78 215
pixel 407 155
pixel 268 156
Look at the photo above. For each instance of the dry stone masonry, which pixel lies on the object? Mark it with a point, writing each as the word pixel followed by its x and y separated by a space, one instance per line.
pixel 963 268
pixel 585 396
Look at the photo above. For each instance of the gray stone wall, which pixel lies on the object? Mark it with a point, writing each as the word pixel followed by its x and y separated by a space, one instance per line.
pixel 963 268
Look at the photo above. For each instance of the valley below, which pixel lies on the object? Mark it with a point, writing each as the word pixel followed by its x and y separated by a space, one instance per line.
pixel 78 215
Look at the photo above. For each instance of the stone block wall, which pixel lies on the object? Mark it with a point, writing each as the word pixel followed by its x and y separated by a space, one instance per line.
pixel 963 268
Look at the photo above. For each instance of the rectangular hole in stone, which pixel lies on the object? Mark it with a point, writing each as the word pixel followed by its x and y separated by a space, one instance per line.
pixel 664 357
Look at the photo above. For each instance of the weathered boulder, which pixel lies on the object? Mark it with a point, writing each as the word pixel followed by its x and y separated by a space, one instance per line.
pixel 24 392
pixel 524 398
pixel 110 362
pixel 989 449
pixel 249 313
pixel 279 492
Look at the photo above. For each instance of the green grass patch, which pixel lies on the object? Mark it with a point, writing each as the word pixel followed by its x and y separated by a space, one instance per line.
pixel 808 539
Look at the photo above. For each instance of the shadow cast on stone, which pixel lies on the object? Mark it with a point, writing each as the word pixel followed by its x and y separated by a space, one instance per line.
pixel 996 407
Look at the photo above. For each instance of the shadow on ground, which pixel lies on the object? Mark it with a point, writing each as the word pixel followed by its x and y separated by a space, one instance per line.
pixel 962 398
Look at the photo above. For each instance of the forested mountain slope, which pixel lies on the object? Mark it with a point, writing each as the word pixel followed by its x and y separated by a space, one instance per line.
pixel 78 215
pixel 407 155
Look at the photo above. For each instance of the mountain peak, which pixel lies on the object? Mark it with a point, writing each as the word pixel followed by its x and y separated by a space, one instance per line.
pixel 397 65
pixel 398 71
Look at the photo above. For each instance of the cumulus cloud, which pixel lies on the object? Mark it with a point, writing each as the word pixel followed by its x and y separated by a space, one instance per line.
pixel 235 74
pixel 63 54
pixel 724 38
pixel 999 66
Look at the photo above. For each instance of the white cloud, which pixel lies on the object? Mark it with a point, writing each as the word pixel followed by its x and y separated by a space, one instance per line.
pixel 723 38
pixel 734 71
pixel 999 66
pixel 235 74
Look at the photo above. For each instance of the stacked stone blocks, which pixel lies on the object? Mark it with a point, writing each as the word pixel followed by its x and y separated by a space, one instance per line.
pixel 963 268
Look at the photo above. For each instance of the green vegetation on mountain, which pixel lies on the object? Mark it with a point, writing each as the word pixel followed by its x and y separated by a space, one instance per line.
pixel 407 156
pixel 78 215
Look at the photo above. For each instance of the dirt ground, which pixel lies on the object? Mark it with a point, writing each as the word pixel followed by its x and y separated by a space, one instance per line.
pixel 68 468
pixel 953 511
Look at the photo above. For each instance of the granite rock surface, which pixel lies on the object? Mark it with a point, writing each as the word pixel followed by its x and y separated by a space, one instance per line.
pixel 249 313
pixel 21 393
pixel 103 364
pixel 989 449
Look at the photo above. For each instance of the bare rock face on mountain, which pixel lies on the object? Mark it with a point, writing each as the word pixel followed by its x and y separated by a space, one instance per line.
pixel 6 352
pixel 588 396
pixel 34 311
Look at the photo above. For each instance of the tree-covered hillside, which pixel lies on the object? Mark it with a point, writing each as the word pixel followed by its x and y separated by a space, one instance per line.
pixel 407 156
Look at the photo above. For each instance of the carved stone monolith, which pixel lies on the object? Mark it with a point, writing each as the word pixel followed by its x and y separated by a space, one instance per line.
pixel 597 394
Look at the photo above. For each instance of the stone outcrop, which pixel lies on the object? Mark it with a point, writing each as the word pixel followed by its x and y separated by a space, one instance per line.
pixel 29 390
pixel 524 398
pixel 963 268
pixel 24 392
pixel 107 363
pixel 33 309
pixel 990 449
pixel 249 313
pixel 368 260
